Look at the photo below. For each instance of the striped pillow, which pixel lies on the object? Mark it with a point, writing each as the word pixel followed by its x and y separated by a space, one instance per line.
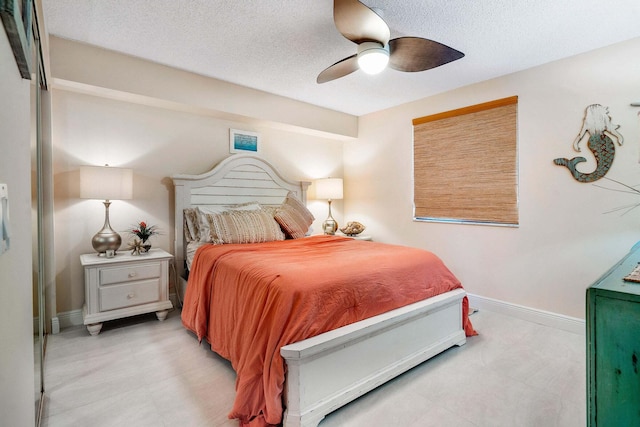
pixel 294 217
pixel 205 234
pixel 255 226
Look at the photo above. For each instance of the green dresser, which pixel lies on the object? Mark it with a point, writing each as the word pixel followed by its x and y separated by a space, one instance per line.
pixel 613 347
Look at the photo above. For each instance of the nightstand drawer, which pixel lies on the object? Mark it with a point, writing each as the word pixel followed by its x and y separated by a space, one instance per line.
pixel 129 274
pixel 126 295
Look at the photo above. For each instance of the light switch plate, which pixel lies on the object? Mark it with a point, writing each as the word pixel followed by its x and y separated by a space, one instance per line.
pixel 4 219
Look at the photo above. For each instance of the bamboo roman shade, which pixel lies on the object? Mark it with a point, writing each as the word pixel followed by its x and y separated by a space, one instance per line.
pixel 465 164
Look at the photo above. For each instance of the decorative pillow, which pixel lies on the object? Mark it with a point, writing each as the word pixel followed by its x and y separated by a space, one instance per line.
pixel 271 210
pixel 294 217
pixel 203 224
pixel 191 232
pixel 244 226
pixel 204 232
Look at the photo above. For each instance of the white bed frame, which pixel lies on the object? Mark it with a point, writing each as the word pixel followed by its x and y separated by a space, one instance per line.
pixel 330 370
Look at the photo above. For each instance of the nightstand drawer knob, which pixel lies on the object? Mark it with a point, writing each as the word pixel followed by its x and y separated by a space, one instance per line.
pixel 132 274
pixel 131 295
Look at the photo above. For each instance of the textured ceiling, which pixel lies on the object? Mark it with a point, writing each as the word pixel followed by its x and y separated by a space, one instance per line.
pixel 280 46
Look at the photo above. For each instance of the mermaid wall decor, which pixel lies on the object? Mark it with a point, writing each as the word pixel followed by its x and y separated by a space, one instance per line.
pixel 597 123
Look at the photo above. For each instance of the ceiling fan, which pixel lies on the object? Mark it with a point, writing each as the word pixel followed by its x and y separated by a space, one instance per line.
pixel 367 29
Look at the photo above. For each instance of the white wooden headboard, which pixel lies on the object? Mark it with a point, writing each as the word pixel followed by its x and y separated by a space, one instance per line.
pixel 237 179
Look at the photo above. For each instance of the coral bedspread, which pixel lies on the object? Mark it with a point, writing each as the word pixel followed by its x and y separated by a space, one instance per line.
pixel 250 300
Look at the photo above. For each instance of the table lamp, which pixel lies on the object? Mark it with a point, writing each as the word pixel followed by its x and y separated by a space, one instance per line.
pixel 106 183
pixel 330 189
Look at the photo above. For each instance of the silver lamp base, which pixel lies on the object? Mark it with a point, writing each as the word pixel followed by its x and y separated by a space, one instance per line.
pixel 330 225
pixel 106 239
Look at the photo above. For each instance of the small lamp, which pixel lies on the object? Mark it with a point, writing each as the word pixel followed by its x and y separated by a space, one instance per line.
pixel 330 189
pixel 106 183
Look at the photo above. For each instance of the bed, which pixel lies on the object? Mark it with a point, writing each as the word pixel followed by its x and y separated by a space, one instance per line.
pixel 316 366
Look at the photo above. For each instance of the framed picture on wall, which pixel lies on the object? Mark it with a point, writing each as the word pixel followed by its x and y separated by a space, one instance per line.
pixel 16 17
pixel 242 141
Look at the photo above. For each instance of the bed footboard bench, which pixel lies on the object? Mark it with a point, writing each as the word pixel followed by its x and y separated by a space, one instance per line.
pixel 330 370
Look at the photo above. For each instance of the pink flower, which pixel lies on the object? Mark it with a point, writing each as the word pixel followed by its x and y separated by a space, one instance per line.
pixel 144 232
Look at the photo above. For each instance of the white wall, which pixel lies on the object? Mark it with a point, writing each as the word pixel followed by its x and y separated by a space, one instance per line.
pixel 16 323
pixel 159 139
pixel 84 67
pixel 565 240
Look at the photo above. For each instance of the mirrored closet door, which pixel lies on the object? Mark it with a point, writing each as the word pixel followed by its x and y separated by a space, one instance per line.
pixel 42 204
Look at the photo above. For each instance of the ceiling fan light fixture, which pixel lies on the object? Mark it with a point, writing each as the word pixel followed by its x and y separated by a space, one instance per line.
pixel 372 57
pixel 365 27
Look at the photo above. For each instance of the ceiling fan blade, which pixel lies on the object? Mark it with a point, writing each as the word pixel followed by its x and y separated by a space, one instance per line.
pixel 339 69
pixel 418 54
pixel 358 23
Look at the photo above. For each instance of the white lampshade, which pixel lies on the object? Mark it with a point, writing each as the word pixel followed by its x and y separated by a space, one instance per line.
pixel 372 57
pixel 329 188
pixel 106 183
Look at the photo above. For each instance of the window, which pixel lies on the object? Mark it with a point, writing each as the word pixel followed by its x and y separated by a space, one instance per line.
pixel 465 164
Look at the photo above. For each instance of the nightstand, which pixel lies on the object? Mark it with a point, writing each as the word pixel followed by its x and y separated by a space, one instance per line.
pixel 125 285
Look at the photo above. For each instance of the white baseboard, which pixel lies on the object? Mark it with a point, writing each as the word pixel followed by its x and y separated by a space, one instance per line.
pixel 554 320
pixel 71 318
